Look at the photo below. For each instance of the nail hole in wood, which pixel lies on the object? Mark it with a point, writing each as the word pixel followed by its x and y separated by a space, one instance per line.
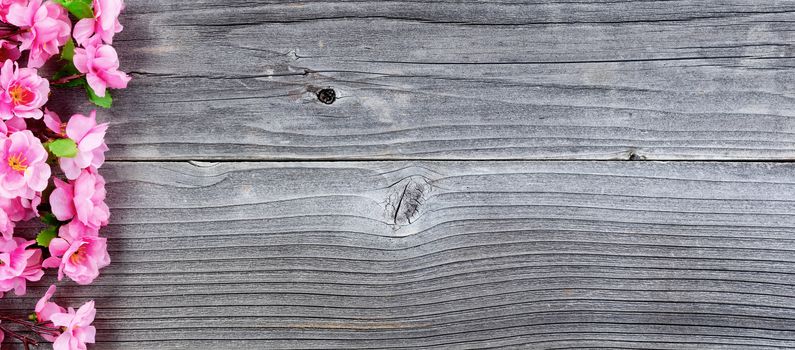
pixel 327 96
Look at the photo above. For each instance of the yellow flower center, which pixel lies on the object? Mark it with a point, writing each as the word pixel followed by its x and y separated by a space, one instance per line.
pixel 18 162
pixel 78 256
pixel 20 95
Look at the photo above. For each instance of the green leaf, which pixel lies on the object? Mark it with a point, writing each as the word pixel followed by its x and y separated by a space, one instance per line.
pixel 46 236
pixel 64 148
pixel 68 51
pixel 50 220
pixel 79 8
pixel 104 102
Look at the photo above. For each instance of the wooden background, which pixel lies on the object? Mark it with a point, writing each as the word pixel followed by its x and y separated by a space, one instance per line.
pixel 493 174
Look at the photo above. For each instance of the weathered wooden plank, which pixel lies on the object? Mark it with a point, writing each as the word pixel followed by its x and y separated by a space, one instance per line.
pixel 679 79
pixel 437 255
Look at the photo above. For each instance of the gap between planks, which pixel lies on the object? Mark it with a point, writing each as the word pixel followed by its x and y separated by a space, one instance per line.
pixel 199 161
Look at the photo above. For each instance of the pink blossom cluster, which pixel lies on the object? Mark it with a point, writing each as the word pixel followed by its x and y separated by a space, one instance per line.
pixel 49 167
pixel 66 328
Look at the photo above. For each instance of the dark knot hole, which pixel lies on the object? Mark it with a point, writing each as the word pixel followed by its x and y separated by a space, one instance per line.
pixel 327 96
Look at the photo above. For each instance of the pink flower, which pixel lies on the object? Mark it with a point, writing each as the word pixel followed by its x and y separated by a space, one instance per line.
pixel 83 198
pixel 47 28
pixel 6 225
pixel 5 5
pixel 77 327
pixel 8 51
pixel 18 265
pixel 13 210
pixel 78 253
pixel 104 24
pixel 89 138
pixel 101 65
pixel 23 168
pixel 31 206
pixel 15 124
pixel 45 309
pixel 53 122
pixel 24 92
pixel 11 126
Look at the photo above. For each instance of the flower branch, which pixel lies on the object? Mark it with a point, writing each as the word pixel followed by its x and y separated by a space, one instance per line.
pixel 49 167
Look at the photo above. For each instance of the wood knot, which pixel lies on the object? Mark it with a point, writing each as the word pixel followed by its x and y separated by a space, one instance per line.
pixel 406 198
pixel 634 156
pixel 327 96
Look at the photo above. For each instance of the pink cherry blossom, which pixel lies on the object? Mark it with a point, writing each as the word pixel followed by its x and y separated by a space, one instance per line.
pixel 77 328
pixel 83 198
pixel 46 25
pixel 6 225
pixel 78 253
pixel 11 126
pixel 9 51
pixel 13 210
pixel 104 24
pixel 101 66
pixel 89 138
pixel 53 122
pixel 44 311
pixel 35 31
pixel 75 230
pixel 24 92
pixel 18 265
pixel 23 167
pixel 6 4
pixel 9 215
pixel 31 205
pixel 15 124
pixel 46 308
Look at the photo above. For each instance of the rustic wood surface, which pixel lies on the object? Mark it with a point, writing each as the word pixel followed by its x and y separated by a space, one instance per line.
pixel 430 255
pixel 450 197
pixel 457 80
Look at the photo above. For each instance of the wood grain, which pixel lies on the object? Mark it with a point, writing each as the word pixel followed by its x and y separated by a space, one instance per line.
pixel 664 80
pixel 438 255
pixel 410 212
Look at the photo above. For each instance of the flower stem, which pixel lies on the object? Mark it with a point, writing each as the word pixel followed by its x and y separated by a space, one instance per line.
pixel 66 79
pixel 8 36
pixel 35 327
pixel 27 341
pixel 39 328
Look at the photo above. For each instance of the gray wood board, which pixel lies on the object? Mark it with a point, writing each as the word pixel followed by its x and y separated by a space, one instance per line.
pixel 436 255
pixel 527 80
